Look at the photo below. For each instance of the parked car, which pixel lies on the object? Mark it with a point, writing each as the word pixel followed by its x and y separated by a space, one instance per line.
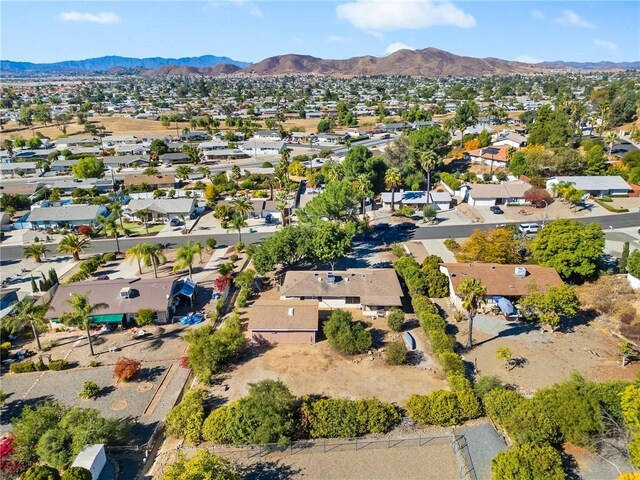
pixel 528 228
pixel 406 226
pixel 496 209
pixel 174 222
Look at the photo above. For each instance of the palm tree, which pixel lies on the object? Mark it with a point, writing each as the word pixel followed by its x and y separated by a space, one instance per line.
pixel 393 180
pixel 235 174
pixel 429 161
pixel 151 254
pixel 449 125
pixel 151 171
pixel 238 223
pixel 243 206
pixel 281 206
pixel 143 214
pixel 186 255
pixel 36 251
pixel 81 314
pixel 116 213
pixel 73 244
pixel 26 312
pixel 473 293
pixel 610 139
pixel 363 188
pixel 285 156
pixel 183 172
pixel 133 253
pixel 110 228
pixel 270 181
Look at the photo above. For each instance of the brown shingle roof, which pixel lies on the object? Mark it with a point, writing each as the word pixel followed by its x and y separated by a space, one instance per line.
pixel 148 293
pixel 377 285
pixel 501 279
pixel 284 315
pixel 150 179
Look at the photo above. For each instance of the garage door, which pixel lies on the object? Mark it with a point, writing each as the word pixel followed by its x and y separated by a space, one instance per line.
pixel 285 337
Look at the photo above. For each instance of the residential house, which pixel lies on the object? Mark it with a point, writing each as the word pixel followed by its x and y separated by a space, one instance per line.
pixel 417 199
pixel 193 136
pixel 300 137
pixel 71 142
pixel 114 140
pixel 154 181
pixel 594 185
pixel 331 138
pixel 18 168
pixel 496 156
pixel 122 297
pixel 65 216
pixel 126 161
pixel 224 154
pixel 67 186
pixel 489 194
pixel 510 139
pixel 174 158
pixel 131 149
pixel 88 151
pixel 63 165
pixel 373 291
pixel 509 281
pixel 31 190
pixel 9 297
pixel 267 135
pixel 290 321
pixel 262 147
pixel 162 209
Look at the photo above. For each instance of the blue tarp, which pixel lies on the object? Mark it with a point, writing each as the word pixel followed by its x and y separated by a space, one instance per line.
pixel 506 306
pixel 192 319
pixel 186 288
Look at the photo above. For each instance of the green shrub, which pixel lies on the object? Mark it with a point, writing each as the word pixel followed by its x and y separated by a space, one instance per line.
pixel 26 367
pixel 499 403
pixel 57 365
pixel 606 198
pixel 528 424
pixel 398 250
pixel 108 257
pixel 438 408
pixel 89 390
pixel 405 211
pixel 77 473
pixel 395 319
pixel 422 304
pixel 484 385
pixel 438 284
pixel 5 348
pixel 40 472
pixel 610 208
pixel 468 402
pixel 242 298
pixel 528 462
pixel 344 418
pixel 54 448
pixel 452 182
pixel 440 342
pixel 431 321
pixel 267 165
pixel 94 363
pixel 452 245
pixel 395 353
pixel 451 363
pixel 145 317
pixel 185 419
pixel 345 335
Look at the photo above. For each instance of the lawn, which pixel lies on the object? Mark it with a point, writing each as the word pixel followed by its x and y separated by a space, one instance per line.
pixel 138 230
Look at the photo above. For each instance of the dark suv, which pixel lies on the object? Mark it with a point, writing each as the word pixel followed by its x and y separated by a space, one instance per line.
pixel 496 209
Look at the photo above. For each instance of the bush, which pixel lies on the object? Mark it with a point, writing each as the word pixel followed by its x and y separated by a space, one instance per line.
pixel 85 230
pixel 242 298
pixel 89 390
pixel 610 208
pixel 499 403
pixel 451 244
pixel 345 335
pixel 440 342
pixel 145 317
pixel 398 250
pixel 344 418
pixel 395 319
pixel 468 402
pixel 396 354
pixel 528 462
pixel 431 321
pixel 94 363
pixel 267 165
pixel 239 247
pixel 77 473
pixel 57 365
pixel 528 424
pixel 405 211
pixel 54 448
pixel 40 472
pixel 5 348
pixel 449 180
pixel 203 464
pixel 27 367
pixel 484 385
pixel 107 257
pixel 438 408
pixel 451 363
pixel 185 419
pixel 126 369
pixel 423 305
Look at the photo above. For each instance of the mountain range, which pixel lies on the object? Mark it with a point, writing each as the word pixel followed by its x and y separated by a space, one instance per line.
pixel 429 62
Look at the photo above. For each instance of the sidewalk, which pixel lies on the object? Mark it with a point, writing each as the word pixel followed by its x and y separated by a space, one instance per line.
pixel 436 247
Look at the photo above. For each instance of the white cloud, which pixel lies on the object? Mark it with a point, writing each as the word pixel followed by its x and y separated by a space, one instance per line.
pixel 535 13
pixel 385 15
pixel 395 46
pixel 571 18
pixel 605 44
pixel 86 17
pixel 337 39
pixel 527 59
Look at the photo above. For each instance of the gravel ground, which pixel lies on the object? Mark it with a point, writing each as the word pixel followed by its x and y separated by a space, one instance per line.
pixel 484 443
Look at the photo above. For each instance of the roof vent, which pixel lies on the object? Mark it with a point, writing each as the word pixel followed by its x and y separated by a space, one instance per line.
pixel 520 272
pixel 125 292
pixel 331 279
pixel 291 311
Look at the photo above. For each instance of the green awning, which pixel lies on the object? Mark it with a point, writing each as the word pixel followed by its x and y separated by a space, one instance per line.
pixel 115 318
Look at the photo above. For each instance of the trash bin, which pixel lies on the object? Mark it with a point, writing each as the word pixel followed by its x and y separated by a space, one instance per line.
pixel 251 230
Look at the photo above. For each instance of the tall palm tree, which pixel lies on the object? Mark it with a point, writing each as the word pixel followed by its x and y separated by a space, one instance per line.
pixel 285 157
pixel 473 293
pixel 610 139
pixel 363 188
pixel 81 314
pixel 110 228
pixel 281 206
pixel 428 161
pixel 183 172
pixel 186 255
pixel 393 180
pixel 243 206
pixel 73 244
pixel 133 253
pixel 26 312
pixel 143 214
pixel 238 223
pixel 116 213
pixel 151 171
pixel 36 251
pixel 271 182
pixel 151 255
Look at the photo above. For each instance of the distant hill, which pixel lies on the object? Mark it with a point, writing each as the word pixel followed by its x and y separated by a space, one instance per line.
pixel 593 65
pixel 112 62
pixel 220 69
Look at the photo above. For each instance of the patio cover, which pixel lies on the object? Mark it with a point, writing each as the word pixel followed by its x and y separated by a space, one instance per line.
pixel 113 318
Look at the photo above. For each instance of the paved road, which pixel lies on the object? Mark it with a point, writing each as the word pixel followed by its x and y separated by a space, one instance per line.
pixel 14 252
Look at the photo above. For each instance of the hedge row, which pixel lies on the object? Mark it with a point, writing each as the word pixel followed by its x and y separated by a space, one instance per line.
pixel 90 265
pixel 423 280
pixel 610 207
pixel 29 366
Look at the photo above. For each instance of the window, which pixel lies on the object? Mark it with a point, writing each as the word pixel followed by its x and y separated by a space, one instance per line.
pixel 352 300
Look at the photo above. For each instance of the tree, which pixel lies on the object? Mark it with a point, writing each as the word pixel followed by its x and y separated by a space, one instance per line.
pixel 237 222
pixel 396 353
pixel 633 264
pixel 354 161
pixel 89 390
pixel 151 171
pixel 144 214
pixel 126 369
pixel 185 419
pixel 110 227
pixel 505 355
pixel 496 246
pixel 73 244
pixel 363 186
pixel 610 139
pixel 550 128
pixel 243 206
pixel 466 116
pixel 150 254
pixel 211 243
pixel 428 160
pixel 571 247
pixel 595 162
pixel 624 258
pixel 395 319
pixel 40 472
pixel 36 251
pixel 345 335
pixel 537 196
pixel 54 448
pixel 158 147
pixel 81 314
pixel 203 465
pixel 330 242
pixel 393 180
pixel 336 203
pixel 627 352
pixel 528 462
pixel 186 255
pixel 235 173
pixel 77 473
pixel 183 172
pixel 89 167
pixel 559 301
pixel 473 294
pixel 397 152
pixel 27 313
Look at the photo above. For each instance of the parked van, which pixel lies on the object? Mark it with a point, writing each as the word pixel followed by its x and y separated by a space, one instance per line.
pixel 529 228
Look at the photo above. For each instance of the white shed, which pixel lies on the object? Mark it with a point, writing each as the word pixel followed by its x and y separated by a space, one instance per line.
pixel 93 458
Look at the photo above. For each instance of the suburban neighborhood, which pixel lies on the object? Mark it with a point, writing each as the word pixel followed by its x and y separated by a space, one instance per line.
pixel 297 268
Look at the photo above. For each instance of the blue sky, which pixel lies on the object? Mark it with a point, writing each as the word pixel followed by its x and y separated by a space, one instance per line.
pixel 252 30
